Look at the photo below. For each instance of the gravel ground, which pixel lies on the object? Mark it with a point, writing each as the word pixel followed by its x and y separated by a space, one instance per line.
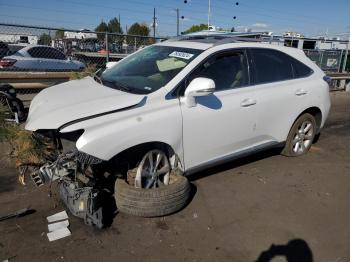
pixel 240 209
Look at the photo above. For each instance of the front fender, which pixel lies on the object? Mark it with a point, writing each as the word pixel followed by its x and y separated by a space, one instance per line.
pixel 106 136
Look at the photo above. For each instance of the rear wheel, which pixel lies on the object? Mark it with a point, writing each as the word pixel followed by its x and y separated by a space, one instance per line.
pixel 300 136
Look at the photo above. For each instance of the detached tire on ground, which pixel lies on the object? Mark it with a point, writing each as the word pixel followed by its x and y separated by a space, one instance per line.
pixel 152 202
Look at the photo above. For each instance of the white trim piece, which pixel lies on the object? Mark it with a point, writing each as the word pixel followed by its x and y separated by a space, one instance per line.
pixel 58 225
pixel 57 217
pixel 58 234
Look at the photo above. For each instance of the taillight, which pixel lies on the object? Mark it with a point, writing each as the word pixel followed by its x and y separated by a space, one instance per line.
pixel 6 62
pixel 328 79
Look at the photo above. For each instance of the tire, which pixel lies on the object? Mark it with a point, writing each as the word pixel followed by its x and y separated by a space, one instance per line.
pixel 154 202
pixel 291 149
pixel 17 106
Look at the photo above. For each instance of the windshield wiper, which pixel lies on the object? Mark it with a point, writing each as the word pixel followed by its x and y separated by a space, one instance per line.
pixel 122 87
pixel 98 79
pixel 116 85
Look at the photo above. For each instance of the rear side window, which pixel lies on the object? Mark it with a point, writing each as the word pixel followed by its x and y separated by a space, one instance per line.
pixel 300 70
pixel 271 66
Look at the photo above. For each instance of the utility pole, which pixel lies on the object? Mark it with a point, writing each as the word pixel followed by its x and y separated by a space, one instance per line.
pixel 346 55
pixel 177 22
pixel 209 14
pixel 154 23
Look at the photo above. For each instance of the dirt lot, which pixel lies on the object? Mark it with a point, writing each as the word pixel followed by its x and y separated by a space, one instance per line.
pixel 238 211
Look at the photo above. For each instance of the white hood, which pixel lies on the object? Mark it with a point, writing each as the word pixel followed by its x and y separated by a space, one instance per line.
pixel 60 104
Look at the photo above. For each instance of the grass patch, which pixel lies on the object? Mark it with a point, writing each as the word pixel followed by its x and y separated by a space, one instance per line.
pixel 88 71
pixel 25 148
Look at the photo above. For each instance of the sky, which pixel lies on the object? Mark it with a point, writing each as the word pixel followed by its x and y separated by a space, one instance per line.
pixel 309 17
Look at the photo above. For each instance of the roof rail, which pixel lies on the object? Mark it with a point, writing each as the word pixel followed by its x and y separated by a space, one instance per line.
pixel 215 39
pixel 236 39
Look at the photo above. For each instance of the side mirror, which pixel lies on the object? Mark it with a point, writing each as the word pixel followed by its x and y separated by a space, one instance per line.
pixel 111 64
pixel 199 86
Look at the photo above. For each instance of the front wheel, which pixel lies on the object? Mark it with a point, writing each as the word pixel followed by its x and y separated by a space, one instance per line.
pixel 300 136
pixel 154 190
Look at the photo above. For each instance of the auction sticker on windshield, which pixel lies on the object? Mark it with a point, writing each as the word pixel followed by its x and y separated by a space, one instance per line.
pixel 182 55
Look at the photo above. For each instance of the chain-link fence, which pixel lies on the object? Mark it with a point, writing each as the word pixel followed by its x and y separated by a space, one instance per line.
pixel 29 48
pixel 327 60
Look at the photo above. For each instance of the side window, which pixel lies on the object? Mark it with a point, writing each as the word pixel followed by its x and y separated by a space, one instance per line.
pixel 300 70
pixel 56 54
pixel 271 66
pixel 228 70
pixel 51 53
pixel 35 52
pixel 46 52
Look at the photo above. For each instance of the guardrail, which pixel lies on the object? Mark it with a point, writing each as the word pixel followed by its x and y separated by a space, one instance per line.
pixel 35 81
pixel 339 81
pixel 31 82
pixel 339 76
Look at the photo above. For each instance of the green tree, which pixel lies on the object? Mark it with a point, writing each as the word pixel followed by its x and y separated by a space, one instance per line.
pixel 59 34
pixel 115 41
pixel 196 28
pixel 102 27
pixel 45 39
pixel 138 29
pixel 114 26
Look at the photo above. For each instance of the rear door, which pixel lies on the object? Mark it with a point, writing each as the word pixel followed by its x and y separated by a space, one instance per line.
pixel 282 91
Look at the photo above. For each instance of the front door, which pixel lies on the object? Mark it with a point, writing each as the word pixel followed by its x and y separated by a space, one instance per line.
pixel 223 123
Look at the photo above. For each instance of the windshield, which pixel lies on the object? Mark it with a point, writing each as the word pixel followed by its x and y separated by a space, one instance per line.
pixel 149 69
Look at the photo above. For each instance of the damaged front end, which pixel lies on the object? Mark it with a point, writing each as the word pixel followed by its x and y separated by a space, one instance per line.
pixel 77 185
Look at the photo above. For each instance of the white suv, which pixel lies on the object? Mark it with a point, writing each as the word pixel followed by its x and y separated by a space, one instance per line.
pixel 189 104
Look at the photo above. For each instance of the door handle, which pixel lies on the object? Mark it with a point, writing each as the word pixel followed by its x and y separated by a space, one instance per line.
pixel 301 92
pixel 248 102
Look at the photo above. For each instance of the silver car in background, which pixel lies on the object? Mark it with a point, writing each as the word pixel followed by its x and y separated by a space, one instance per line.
pixel 40 57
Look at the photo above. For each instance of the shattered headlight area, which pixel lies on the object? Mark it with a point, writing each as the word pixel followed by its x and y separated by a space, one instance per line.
pixel 72 164
pixel 76 188
pixel 77 185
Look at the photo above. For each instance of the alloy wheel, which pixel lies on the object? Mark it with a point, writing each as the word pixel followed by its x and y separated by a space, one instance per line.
pixel 303 137
pixel 153 170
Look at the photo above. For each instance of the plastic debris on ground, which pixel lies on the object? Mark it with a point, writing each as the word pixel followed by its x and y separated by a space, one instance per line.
pixel 58 216
pixel 58 229
pixel 58 234
pixel 58 225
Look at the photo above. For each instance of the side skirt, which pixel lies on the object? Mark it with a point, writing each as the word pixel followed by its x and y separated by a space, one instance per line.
pixel 234 156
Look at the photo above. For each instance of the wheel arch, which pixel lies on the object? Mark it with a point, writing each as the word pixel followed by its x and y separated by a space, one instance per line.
pixel 134 153
pixel 316 113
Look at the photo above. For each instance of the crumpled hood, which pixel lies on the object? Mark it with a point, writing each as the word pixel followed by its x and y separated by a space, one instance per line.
pixel 63 103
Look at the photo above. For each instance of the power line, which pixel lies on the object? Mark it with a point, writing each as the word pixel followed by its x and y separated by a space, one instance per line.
pixel 42 19
pixel 215 7
pixel 186 10
pixel 69 12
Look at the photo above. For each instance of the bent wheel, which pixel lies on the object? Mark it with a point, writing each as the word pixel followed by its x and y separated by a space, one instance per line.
pixel 153 170
pixel 157 191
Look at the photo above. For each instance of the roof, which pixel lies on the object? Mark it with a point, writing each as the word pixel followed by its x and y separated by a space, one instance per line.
pixel 187 44
pixel 221 41
pixel 203 42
